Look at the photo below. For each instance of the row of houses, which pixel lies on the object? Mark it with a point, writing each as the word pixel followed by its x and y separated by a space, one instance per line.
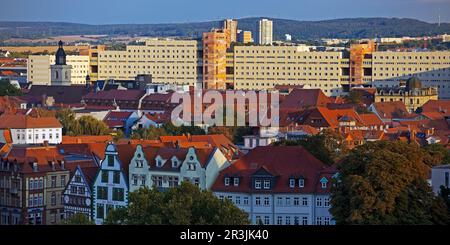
pixel 274 185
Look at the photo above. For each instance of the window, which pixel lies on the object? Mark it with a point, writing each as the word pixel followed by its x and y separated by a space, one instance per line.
pixel 296 201
pixel 304 220
pixel 288 220
pixel 258 220
pixel 266 201
pixel 288 201
pixel 196 181
pixel 296 220
pixel 266 184
pixel 291 183
pixel 118 194
pixel 102 193
pixel 57 135
pixel 53 182
pixel 104 176
pixel 173 181
pixel 100 211
pixel 235 181
pixel 41 183
pixel 116 177
pixel 53 199
pixel 157 181
pixel 81 190
pixel 318 220
pixel 318 202
pixel 279 220
pixel 324 185
pixel 326 221
pixel 257 184
pixel 238 200
pixel 304 201
pixel 135 180
pixel 110 161
pixel 245 200
pixel 301 183
pixel 266 220
pixel 279 201
pixel 63 180
pixel 258 201
pixel 326 202
pixel 227 181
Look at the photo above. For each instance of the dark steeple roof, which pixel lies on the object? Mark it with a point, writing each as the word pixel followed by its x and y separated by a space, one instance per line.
pixel 60 54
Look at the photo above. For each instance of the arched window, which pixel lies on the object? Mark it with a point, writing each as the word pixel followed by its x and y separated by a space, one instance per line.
pixel 56 74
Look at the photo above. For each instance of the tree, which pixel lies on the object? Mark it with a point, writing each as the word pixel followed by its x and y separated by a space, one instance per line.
pixel 150 133
pixel 78 219
pixel 182 205
pixel 385 183
pixel 174 130
pixel 6 88
pixel 326 146
pixel 67 119
pixel 91 126
pixel 353 97
pixel 436 154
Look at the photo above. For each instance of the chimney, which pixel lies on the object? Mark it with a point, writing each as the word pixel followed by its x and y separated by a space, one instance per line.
pixel 35 167
pixel 53 165
pixel 62 164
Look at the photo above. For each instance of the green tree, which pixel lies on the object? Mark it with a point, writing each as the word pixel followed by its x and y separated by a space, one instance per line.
pixel 385 183
pixel 353 97
pixel 7 89
pixel 78 219
pixel 326 146
pixel 92 126
pixel 67 119
pixel 150 133
pixel 182 205
pixel 436 154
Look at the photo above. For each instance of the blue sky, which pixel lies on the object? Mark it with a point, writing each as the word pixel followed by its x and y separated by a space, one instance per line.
pixel 170 11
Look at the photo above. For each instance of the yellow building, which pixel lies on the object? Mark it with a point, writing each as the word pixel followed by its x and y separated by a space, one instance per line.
pixel 413 95
pixel 245 37
pixel 230 26
pixel 56 182
pixel 38 68
pixel 92 52
pixel 169 61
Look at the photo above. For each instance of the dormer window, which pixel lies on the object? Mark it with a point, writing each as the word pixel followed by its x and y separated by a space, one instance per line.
pixel 292 182
pixel 174 163
pixel 257 184
pixel 266 184
pixel 236 181
pixel 301 183
pixel 227 181
pixel 158 163
pixel 324 182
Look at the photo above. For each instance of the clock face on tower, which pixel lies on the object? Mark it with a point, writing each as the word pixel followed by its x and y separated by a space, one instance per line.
pixel 66 199
pixel 88 201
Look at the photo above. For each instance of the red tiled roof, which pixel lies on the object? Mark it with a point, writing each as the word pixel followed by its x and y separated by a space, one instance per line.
pixel 436 109
pixel 392 109
pixel 370 119
pixel 282 162
pixel 304 98
pixel 117 118
pixel 86 139
pixel 21 121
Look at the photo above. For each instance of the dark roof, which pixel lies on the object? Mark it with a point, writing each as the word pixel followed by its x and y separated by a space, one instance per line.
pixel 61 94
pixel 304 98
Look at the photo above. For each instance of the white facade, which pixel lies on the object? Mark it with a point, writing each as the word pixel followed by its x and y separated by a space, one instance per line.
pixel 39 73
pixel 265 32
pixel 77 195
pixel 110 188
pixel 187 169
pixel 36 135
pixel 283 209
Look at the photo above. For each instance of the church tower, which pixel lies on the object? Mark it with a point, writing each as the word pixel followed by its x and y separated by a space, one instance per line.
pixel 60 71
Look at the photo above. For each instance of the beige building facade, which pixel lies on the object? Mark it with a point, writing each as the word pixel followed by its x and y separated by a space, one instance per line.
pixel 39 69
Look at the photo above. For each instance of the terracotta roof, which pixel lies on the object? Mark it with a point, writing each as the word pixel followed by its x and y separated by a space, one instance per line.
pixel 21 121
pixel 281 162
pixel 436 109
pixel 86 139
pixel 370 119
pixel 158 117
pixel 392 110
pixel 304 98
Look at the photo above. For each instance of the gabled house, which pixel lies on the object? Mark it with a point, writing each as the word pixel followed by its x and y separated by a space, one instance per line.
pixel 78 192
pixel 165 167
pixel 436 109
pixel 32 130
pixel 392 111
pixel 279 185
pixel 110 185
pixel 151 119
pixel 121 120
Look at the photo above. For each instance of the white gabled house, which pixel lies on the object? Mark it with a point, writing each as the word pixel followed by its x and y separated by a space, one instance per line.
pixel 164 167
pixel 110 187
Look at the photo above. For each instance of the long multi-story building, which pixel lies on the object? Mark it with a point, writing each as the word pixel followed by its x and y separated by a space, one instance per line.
pixel 38 70
pixel 167 60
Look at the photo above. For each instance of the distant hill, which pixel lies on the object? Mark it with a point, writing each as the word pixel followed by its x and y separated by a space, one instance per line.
pixel 338 28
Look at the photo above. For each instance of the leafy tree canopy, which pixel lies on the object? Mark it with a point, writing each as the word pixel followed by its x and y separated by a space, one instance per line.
pixel 182 205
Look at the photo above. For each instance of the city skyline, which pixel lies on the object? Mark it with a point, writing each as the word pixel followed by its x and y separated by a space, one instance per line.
pixel 139 11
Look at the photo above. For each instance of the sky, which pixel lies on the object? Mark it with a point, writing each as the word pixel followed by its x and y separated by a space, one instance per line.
pixel 176 11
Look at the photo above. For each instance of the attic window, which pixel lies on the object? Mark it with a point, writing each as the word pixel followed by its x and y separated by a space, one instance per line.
pixel 292 182
pixel 236 181
pixel 324 182
pixel 158 163
pixel 301 183
pixel 227 181
pixel 266 184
